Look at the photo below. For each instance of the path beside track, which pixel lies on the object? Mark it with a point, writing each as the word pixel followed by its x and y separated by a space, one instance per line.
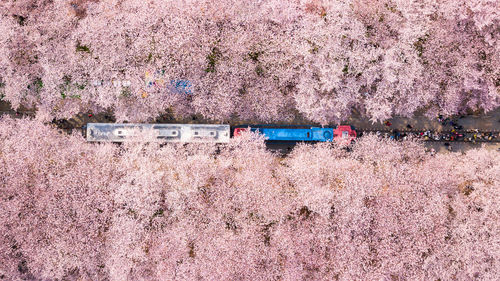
pixel 489 122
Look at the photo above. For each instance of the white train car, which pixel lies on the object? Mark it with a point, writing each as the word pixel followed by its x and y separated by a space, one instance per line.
pixel 120 132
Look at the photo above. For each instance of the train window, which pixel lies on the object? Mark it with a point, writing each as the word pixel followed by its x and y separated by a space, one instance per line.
pixel 195 133
pixel 308 134
pixel 212 133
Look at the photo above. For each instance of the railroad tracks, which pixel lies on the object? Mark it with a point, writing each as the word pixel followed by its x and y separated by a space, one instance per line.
pixel 471 136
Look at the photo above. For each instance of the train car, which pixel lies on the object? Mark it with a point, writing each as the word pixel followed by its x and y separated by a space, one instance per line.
pixel 291 134
pixel 344 133
pixel 116 132
pixel 314 134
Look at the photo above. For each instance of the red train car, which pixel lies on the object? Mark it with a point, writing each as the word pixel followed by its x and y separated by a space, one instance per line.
pixel 344 133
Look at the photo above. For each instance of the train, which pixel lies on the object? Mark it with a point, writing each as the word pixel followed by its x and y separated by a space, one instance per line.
pixel 120 132
pixel 301 133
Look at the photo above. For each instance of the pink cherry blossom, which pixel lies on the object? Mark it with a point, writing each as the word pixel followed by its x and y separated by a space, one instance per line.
pixel 151 211
pixel 265 61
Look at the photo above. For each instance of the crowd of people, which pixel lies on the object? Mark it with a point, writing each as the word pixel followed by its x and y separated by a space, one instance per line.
pixel 457 133
pixel 454 135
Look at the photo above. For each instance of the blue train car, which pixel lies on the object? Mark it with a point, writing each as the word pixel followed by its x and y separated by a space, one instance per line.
pixel 291 134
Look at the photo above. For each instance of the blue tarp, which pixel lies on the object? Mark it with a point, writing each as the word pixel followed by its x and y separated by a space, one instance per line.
pixel 182 86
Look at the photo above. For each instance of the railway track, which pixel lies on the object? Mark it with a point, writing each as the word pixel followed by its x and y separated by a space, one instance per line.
pixel 470 136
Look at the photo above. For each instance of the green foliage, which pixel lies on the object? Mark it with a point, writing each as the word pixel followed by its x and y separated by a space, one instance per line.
pixel 243 91
pixel 67 85
pixel 132 213
pixel 125 92
pixel 482 55
pixel 36 85
pixel 345 70
pixel 254 56
pixel 82 48
pixel 20 19
pixel 63 95
pixel 323 14
pixel 391 8
pixel 259 70
pixel 314 47
pixel 80 86
pixel 369 31
pixel 66 79
pixel 158 213
pixel 212 59
pixel 419 45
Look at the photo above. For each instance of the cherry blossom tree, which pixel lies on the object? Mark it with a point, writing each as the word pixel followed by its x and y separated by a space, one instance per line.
pixel 265 60
pixel 55 207
pixel 448 51
pixel 148 211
